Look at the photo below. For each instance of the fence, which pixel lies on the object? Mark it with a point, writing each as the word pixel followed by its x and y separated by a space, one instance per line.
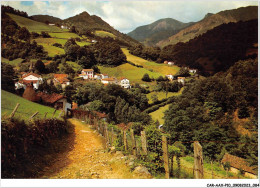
pixel 131 143
pixel 138 146
pixel 33 115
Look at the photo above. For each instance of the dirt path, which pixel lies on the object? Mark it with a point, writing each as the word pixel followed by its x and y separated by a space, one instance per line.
pixel 87 159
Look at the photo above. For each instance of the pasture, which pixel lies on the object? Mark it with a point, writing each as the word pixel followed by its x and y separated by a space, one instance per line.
pixel 34 26
pixel 26 108
pixel 150 65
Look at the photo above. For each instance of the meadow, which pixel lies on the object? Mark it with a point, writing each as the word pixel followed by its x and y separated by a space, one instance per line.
pixel 14 62
pixel 104 34
pixel 34 26
pixel 26 108
pixel 150 65
pixel 134 74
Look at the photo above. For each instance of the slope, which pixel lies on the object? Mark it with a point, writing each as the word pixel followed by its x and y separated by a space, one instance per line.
pixel 217 49
pixel 211 21
pixel 85 22
pixel 46 18
pixel 26 108
pixel 33 26
pixel 159 30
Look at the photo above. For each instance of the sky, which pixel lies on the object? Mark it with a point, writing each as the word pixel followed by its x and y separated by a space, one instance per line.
pixel 126 15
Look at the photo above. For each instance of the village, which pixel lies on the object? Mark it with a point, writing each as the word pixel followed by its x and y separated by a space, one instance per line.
pixel 30 82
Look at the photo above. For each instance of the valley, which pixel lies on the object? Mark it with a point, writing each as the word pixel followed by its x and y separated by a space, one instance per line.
pixel 114 98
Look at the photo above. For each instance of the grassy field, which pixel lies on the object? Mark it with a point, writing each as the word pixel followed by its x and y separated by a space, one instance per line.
pixel 52 50
pixel 32 25
pixel 134 74
pixel 159 114
pixel 162 95
pixel 74 65
pixel 218 172
pixel 160 68
pixel 14 62
pixel 64 35
pixel 104 34
pixel 26 108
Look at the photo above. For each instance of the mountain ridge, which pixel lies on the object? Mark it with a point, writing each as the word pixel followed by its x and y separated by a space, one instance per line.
pixel 211 21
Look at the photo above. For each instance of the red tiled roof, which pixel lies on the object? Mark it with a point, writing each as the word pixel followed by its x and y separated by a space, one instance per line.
pixel 238 163
pixel 74 105
pixel 50 98
pixel 87 70
pixel 60 76
pixel 28 81
pixel 109 79
pixel 181 77
pixel 31 73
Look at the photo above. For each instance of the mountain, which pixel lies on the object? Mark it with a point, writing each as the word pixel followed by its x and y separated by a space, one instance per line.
pixel 209 22
pixel 84 22
pixel 46 18
pixel 217 49
pixel 159 30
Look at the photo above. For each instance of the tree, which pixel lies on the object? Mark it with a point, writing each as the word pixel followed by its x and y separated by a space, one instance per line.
pixel 23 34
pixel 146 78
pixel 39 66
pixel 7 77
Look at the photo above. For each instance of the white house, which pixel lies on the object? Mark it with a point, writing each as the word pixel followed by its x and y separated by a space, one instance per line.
pixel 192 71
pixel 51 24
pixel 103 76
pixel 93 41
pixel 87 73
pixel 106 81
pixel 97 77
pixel 64 27
pixel 170 63
pixel 125 83
pixel 170 77
pixel 181 80
pixel 29 78
pixel 61 79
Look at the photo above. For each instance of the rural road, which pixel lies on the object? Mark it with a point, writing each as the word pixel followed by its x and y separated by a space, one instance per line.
pixel 88 160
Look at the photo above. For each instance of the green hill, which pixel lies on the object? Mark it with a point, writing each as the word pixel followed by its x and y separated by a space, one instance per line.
pixel 209 22
pixel 26 108
pixel 33 26
pixel 159 30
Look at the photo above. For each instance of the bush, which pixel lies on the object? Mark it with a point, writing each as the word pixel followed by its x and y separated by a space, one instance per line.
pixel 19 141
pixel 57 45
pixel 146 78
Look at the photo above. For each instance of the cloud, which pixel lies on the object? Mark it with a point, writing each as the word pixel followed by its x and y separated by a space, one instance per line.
pixel 127 15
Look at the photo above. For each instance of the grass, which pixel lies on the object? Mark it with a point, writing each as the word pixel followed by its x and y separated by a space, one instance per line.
pixel 150 65
pixel 76 67
pixel 52 50
pixel 134 74
pixel 104 34
pixel 218 172
pixel 64 35
pixel 161 95
pixel 26 108
pixel 33 26
pixel 159 114
pixel 14 62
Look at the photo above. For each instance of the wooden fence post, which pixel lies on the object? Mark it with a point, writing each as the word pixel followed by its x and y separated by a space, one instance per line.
pixel 133 142
pixel 144 143
pixel 112 136
pixel 54 113
pixel 165 157
pixel 198 161
pixel 106 135
pixel 33 115
pixel 15 109
pixel 125 140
